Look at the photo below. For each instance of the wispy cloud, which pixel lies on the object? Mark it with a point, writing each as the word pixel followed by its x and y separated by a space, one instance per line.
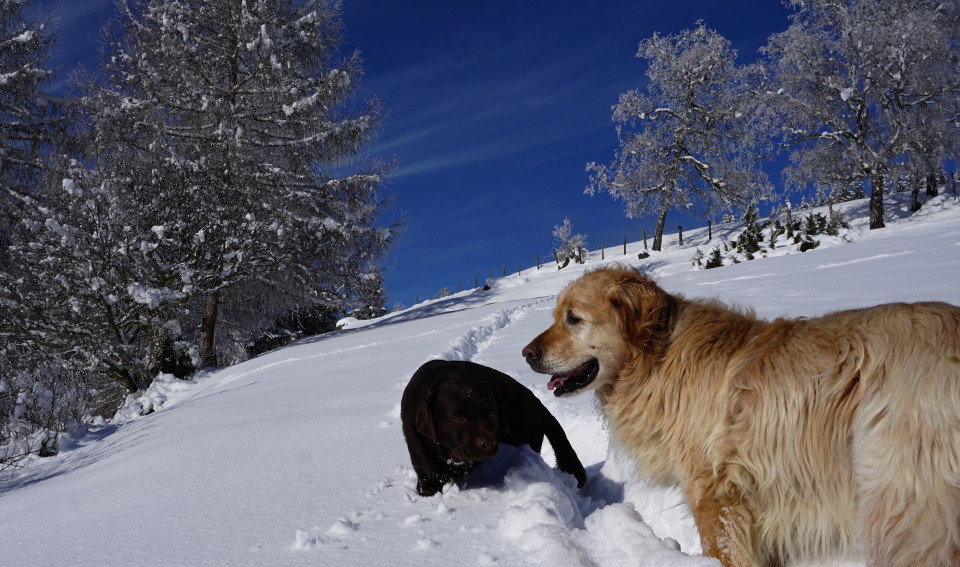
pixel 470 111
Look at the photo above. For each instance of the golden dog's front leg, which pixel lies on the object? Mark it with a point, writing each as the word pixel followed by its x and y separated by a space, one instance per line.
pixel 726 529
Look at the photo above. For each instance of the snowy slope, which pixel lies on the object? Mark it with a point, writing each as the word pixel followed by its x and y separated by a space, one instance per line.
pixel 297 458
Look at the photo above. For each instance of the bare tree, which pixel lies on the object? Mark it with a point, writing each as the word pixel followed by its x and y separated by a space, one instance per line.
pixel 855 86
pixel 686 140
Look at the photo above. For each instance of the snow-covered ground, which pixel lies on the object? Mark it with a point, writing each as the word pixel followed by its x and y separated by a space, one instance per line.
pixel 297 458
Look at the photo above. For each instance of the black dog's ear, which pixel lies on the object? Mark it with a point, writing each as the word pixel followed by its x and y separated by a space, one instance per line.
pixel 502 419
pixel 501 409
pixel 424 417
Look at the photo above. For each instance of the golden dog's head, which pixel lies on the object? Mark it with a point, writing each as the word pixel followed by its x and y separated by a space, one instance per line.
pixel 602 321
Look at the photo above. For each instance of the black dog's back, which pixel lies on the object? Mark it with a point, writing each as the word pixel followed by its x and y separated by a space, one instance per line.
pixel 522 420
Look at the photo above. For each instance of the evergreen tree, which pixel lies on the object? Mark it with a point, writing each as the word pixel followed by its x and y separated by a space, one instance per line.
pixel 715 260
pixel 749 240
pixel 217 192
pixel 228 122
pixel 77 294
pixel 27 118
pixel 685 141
pixel 45 388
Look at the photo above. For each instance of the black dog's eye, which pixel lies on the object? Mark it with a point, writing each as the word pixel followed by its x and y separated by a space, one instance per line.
pixel 573 319
pixel 459 419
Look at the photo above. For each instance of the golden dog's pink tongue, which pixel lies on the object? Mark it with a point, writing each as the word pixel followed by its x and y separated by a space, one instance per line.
pixel 556 381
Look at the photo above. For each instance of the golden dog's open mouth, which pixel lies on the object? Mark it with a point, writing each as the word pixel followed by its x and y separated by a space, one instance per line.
pixel 580 377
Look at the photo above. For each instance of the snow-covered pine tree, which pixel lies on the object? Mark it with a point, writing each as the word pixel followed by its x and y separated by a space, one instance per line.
pixel 229 125
pixel 43 390
pixel 714 260
pixel 750 238
pixel 854 85
pixel 685 141
pixel 27 118
pixel 26 128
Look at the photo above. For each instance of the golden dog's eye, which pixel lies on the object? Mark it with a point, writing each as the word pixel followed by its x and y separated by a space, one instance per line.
pixel 573 319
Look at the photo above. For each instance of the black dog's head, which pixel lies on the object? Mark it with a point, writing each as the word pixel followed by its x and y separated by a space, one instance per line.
pixel 463 419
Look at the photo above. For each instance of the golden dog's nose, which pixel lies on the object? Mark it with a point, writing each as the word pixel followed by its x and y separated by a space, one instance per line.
pixel 531 352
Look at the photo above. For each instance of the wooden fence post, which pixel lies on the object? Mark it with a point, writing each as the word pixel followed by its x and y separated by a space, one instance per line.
pixel 603 251
pixel 644 239
pixel 709 230
pixel 624 245
pixel 680 234
pixel 538 260
pixel 504 270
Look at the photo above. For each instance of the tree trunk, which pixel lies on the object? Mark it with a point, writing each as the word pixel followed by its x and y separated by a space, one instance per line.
pixel 932 185
pixel 208 329
pixel 661 222
pixel 915 199
pixel 876 201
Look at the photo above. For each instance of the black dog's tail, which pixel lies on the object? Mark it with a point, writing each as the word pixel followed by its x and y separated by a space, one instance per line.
pixel 567 459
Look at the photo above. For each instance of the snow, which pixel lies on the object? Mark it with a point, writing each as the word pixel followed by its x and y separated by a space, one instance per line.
pixel 25 37
pixel 297 457
pixel 145 295
pixel 71 187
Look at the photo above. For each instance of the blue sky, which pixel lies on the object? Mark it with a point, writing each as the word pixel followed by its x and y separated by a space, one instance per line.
pixel 495 108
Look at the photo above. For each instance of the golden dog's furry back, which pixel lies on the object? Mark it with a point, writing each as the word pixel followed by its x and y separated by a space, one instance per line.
pixel 796 439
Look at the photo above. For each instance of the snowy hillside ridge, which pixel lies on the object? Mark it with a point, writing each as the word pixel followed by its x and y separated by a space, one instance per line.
pixel 297 458
pixel 464 348
pixel 855 214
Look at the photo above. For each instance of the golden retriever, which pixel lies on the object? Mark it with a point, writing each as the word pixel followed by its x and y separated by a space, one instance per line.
pixel 793 439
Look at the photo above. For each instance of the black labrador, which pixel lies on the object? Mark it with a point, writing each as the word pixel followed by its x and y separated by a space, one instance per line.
pixel 456 413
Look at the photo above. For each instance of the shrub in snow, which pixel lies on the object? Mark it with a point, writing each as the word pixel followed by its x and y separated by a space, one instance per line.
pixel 697 259
pixel 42 401
pixel 749 242
pixel 569 246
pixel 715 260
pixel 808 243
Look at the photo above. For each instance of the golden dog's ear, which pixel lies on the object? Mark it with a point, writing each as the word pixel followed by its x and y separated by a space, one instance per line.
pixel 643 311
pixel 424 417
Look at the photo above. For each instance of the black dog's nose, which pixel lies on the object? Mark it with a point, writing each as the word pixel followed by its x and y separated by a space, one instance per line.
pixel 531 352
pixel 486 444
